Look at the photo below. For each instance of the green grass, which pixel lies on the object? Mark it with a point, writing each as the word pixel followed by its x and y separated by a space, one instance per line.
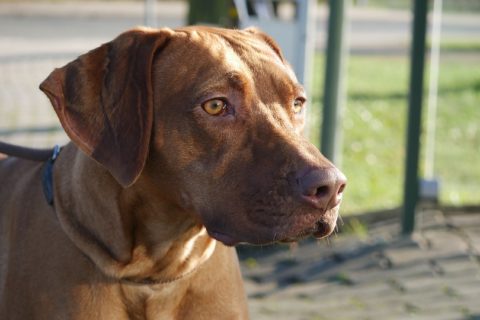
pixel 458 132
pixel 459 46
pixel 374 134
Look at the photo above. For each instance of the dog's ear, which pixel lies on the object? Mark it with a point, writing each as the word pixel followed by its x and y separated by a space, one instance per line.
pixel 104 101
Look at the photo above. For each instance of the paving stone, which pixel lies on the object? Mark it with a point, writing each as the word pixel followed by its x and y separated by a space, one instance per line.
pixel 429 276
pixel 468 220
pixel 473 236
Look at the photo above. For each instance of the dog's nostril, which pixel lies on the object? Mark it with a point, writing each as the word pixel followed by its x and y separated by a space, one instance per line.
pixel 322 191
pixel 322 187
pixel 318 184
pixel 340 190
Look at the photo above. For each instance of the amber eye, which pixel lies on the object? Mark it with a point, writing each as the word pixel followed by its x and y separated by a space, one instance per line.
pixel 214 107
pixel 298 105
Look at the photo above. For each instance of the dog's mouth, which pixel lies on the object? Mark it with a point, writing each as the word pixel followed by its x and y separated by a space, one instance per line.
pixel 224 238
pixel 321 228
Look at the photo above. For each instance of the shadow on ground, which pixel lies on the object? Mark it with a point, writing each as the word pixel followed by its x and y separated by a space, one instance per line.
pixel 371 272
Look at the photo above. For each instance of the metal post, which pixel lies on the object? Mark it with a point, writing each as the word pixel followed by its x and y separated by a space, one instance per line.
pixel 417 64
pixel 330 139
pixel 306 14
pixel 433 90
pixel 149 14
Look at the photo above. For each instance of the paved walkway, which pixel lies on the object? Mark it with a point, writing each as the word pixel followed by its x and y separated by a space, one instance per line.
pixel 372 273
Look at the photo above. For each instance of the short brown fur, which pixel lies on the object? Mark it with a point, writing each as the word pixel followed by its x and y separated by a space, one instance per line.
pixel 153 192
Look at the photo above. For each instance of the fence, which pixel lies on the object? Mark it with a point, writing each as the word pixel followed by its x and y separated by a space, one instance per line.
pixel 26 115
pixel 37 38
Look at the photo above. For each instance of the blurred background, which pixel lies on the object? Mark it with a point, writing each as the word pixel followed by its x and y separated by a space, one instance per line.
pixel 36 37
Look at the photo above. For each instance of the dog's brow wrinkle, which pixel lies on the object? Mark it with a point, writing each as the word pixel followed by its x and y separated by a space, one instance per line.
pixel 299 88
pixel 236 80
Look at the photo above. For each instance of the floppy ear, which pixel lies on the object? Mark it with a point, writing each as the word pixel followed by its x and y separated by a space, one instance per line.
pixel 104 101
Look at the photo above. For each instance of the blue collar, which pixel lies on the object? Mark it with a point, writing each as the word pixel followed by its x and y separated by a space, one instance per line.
pixel 47 178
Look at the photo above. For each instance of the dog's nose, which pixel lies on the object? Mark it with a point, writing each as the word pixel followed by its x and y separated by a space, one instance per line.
pixel 322 187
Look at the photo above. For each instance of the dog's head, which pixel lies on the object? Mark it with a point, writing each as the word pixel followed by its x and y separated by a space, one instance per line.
pixel 213 118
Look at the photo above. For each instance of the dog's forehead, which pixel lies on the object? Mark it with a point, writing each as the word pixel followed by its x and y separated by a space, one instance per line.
pixel 238 50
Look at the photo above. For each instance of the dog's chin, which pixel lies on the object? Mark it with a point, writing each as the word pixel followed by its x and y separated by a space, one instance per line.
pixel 320 229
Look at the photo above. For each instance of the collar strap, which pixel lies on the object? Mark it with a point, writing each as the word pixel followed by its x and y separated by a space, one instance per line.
pixel 47 178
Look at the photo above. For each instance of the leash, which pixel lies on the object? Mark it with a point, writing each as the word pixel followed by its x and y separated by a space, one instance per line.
pixel 41 155
pixel 25 153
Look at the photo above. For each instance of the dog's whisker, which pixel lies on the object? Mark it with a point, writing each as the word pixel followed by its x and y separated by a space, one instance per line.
pixel 211 187
pixel 328 241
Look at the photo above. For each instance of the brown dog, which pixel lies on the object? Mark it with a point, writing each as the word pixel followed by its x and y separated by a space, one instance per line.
pixel 185 143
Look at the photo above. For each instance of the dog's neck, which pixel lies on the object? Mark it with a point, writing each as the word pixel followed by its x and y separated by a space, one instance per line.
pixel 130 233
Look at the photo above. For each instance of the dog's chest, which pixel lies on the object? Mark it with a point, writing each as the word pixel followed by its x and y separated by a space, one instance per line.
pixel 153 302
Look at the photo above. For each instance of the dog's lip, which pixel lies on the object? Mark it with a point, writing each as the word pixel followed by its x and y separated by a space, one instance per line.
pixel 320 231
pixel 322 228
pixel 223 238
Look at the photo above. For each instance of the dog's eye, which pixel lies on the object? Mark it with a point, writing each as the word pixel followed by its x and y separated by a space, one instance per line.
pixel 298 105
pixel 214 107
